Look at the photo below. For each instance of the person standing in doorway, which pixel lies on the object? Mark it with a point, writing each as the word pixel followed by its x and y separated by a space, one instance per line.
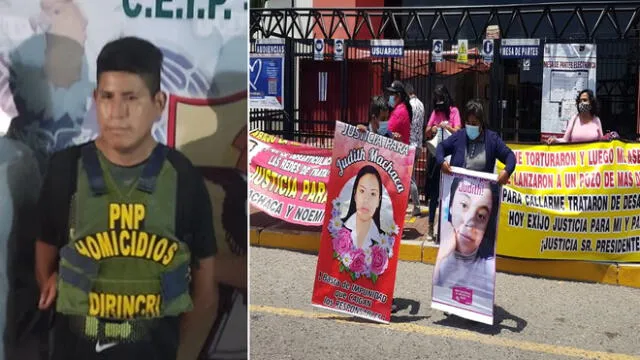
pixel 126 249
pixel 417 127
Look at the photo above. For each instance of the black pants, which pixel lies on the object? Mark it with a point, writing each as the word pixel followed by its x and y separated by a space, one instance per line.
pixel 433 187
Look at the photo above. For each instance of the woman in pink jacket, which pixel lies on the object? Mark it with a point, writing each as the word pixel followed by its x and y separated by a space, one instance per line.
pixel 401 112
pixel 585 126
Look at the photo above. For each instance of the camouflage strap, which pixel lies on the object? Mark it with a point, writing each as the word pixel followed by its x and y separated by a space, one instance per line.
pixel 147 182
pixel 87 269
pixel 175 283
pixel 87 265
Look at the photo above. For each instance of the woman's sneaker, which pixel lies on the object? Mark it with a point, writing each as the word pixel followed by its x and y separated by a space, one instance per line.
pixel 430 232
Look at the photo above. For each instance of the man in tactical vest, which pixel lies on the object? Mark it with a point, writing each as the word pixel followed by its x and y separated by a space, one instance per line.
pixel 131 223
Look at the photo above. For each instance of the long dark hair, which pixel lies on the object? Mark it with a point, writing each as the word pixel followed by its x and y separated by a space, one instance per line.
pixel 397 87
pixel 474 107
pixel 593 100
pixel 486 248
pixel 368 169
pixel 440 93
pixel 405 99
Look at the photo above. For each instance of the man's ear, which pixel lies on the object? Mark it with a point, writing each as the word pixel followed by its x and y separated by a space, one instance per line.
pixel 160 100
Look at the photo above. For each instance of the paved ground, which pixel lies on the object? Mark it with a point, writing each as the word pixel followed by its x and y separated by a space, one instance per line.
pixel 535 319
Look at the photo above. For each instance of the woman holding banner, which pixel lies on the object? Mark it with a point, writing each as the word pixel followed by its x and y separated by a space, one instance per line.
pixel 584 126
pixel 444 117
pixel 477 148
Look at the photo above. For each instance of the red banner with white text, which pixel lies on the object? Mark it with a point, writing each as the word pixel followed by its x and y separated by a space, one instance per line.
pixel 288 180
pixel 368 191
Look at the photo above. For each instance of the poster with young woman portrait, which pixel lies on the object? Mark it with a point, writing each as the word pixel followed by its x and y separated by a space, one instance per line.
pixel 464 274
pixel 367 198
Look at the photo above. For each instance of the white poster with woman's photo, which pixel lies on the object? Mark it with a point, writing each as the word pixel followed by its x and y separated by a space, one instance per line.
pixel 465 270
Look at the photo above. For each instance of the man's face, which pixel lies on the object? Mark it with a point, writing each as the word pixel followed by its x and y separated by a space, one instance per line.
pixel 470 213
pixel 384 115
pixel 375 120
pixel 125 109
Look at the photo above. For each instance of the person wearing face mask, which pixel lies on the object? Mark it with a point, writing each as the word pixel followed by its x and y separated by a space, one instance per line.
pixel 585 126
pixel 476 148
pixel 401 112
pixel 444 116
pixel 378 115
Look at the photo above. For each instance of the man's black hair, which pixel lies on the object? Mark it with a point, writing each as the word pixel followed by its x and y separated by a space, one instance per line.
pixel 132 55
pixel 377 106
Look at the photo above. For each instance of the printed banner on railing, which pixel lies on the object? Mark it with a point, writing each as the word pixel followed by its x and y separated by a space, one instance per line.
pixel 367 200
pixel 288 180
pixel 465 270
pixel 573 201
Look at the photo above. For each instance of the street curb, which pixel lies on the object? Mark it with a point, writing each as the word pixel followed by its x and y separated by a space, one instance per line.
pixel 290 240
pixel 629 275
pixel 604 273
pixel 421 251
pixel 254 236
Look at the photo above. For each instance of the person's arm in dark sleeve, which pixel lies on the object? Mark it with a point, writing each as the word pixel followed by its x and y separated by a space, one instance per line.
pixel 196 324
pixel 444 149
pixel 49 239
pixel 505 155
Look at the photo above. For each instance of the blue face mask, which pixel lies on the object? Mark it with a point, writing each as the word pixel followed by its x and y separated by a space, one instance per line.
pixel 382 130
pixel 392 101
pixel 472 131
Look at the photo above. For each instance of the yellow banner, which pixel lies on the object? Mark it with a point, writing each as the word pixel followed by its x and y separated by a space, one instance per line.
pixel 572 202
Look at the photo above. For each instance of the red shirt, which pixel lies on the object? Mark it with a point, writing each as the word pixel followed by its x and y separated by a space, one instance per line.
pixel 399 122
